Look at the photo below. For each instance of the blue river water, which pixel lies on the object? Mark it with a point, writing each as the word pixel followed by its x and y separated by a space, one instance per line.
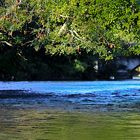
pixel 103 95
pixel 72 87
pixel 98 110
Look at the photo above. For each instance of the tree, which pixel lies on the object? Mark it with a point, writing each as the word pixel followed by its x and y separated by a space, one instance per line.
pixel 75 30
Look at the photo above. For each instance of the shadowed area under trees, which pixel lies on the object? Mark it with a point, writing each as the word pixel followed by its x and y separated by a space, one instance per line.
pixel 63 39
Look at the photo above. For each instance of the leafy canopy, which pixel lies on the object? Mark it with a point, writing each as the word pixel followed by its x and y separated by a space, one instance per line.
pixel 105 28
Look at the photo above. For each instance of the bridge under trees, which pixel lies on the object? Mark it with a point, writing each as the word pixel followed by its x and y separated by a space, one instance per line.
pixel 119 68
pixel 126 66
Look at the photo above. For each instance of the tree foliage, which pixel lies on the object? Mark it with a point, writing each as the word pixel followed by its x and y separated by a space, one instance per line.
pixel 104 29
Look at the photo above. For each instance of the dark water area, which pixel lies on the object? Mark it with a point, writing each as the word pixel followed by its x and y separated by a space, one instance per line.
pixel 99 110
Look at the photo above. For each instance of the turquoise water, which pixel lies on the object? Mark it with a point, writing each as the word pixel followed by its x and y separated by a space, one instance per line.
pixel 100 110
pixel 71 87
pixel 104 95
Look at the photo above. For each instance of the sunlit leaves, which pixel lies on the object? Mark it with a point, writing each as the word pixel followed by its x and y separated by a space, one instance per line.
pixel 62 26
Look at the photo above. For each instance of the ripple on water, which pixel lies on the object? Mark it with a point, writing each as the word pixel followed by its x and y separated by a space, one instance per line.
pixel 103 95
pixel 70 110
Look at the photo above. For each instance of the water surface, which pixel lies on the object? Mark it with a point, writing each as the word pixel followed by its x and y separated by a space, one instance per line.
pixel 100 110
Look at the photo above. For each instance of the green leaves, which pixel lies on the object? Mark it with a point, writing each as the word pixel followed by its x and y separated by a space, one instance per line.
pixel 62 26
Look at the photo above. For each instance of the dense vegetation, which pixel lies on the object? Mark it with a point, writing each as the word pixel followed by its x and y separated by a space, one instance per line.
pixel 63 39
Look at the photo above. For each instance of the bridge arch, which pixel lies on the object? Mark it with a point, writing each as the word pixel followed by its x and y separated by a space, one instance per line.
pixel 135 67
pixel 127 66
pixel 135 72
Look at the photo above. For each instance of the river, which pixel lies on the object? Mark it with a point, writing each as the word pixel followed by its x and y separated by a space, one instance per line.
pixel 98 110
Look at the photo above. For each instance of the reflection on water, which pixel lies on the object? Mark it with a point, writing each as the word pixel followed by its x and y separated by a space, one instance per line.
pixel 70 110
pixel 59 125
